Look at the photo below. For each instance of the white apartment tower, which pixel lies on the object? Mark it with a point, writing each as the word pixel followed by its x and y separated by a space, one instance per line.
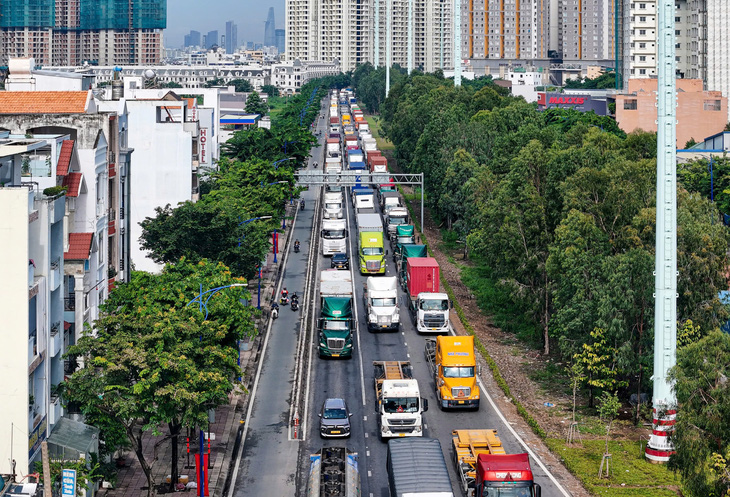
pixel 323 30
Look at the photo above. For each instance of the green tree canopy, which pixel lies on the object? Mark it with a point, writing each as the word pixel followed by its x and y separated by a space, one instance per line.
pixel 255 105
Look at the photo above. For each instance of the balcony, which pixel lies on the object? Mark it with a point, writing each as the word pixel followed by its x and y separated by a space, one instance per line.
pixel 56 339
pixel 55 276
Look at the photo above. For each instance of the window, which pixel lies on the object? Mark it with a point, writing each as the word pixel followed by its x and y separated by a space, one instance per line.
pixel 642 71
pixel 642 19
pixel 642 58
pixel 630 104
pixel 642 5
pixel 713 105
pixel 642 31
pixel 677 32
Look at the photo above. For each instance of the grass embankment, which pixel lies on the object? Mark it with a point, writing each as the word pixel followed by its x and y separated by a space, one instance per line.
pixel 276 105
pixel 374 123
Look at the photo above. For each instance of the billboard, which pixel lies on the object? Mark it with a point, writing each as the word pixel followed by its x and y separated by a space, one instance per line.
pixel 583 103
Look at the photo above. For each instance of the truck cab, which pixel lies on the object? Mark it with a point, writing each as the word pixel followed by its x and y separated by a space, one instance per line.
pixel 400 406
pixel 335 327
pixel 371 252
pixel 404 235
pixel 334 236
pixel 505 475
pixel 381 303
pixel 333 206
pixel 395 217
pixel 432 312
pixel 453 365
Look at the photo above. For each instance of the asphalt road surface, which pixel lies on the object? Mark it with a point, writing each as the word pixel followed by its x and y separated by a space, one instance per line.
pixel 272 462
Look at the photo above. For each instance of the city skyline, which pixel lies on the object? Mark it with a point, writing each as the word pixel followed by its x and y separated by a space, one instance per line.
pixel 250 19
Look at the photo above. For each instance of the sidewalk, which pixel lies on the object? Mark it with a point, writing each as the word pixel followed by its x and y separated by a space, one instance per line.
pixel 131 480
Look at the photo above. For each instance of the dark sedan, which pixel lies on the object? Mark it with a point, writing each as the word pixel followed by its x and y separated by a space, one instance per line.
pixel 340 261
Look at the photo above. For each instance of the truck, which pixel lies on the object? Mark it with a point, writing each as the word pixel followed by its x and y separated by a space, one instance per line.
pixel 334 236
pixel 404 235
pixel 355 155
pixel 395 217
pixel 485 469
pixel 350 142
pixel 333 164
pixel 390 200
pixel 333 144
pixel 333 206
pixel 334 121
pixel 371 251
pixel 364 200
pixel 378 164
pixel 401 261
pixel 454 369
pixel 380 296
pixel 400 405
pixel 417 468
pixel 429 308
pixel 335 322
pixel 333 472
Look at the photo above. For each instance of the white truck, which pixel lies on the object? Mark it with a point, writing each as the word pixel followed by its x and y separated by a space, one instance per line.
pixel 333 146
pixel 365 202
pixel 400 405
pixel 381 302
pixel 333 164
pixel 334 236
pixel 333 205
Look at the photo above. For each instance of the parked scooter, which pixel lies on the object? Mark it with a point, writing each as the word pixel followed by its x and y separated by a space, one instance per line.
pixel 294 302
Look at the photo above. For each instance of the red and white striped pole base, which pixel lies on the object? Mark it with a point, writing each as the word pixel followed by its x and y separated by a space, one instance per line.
pixel 660 447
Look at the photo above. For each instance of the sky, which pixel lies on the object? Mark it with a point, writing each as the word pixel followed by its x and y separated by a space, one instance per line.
pixel 209 15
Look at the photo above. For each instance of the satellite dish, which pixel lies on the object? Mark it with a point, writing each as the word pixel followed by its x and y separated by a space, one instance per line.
pixel 149 74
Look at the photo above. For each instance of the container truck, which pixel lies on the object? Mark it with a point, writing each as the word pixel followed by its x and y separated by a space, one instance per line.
pixel 416 468
pixel 333 164
pixel 371 253
pixel 355 155
pixel 454 369
pixel 380 296
pixel 333 144
pixel 394 218
pixel 378 164
pixel 333 206
pixel 400 406
pixel 334 236
pixel 335 322
pixel 401 262
pixel 429 308
pixel 357 166
pixel 390 200
pixel 404 235
pixel 334 121
pixel 333 472
pixel 364 201
pixel 372 154
pixel 486 470
pixel 350 142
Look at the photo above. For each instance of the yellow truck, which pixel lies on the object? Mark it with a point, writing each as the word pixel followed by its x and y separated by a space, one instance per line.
pixel 453 366
pixel 485 469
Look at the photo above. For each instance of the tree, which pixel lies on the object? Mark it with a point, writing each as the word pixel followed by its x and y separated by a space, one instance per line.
pixel 607 411
pixel 152 360
pixel 254 104
pixel 702 433
pixel 214 82
pixel 598 359
pixel 270 90
pixel 241 85
pixel 87 472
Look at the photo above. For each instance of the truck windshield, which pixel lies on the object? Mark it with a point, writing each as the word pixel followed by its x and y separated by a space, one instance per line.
pixel 401 404
pixel 333 206
pixel 435 305
pixel 397 220
pixel 523 491
pixel 330 324
pixel 459 372
pixel 372 251
pixel 384 302
pixel 333 234
pixel 405 239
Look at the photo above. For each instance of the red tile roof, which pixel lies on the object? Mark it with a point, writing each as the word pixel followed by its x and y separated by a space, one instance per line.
pixel 64 158
pixel 73 182
pixel 79 246
pixel 44 102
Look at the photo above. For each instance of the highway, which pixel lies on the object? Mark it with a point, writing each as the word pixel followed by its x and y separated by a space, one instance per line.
pixel 272 462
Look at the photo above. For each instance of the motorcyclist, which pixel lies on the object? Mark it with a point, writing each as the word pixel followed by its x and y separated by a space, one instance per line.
pixel 302 204
pixel 295 297
pixel 296 245
pixel 284 294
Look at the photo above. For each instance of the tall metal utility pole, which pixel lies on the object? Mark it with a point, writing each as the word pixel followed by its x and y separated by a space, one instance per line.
pixel 410 36
pixel 377 34
pixel 388 36
pixel 659 447
pixel 457 42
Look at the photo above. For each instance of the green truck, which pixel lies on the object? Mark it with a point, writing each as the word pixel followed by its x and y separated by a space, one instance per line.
pixel 404 234
pixel 336 321
pixel 407 251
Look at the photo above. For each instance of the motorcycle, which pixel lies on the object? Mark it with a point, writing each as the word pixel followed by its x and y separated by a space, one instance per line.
pixel 294 302
pixel 274 310
pixel 316 164
pixel 301 205
pixel 296 248
pixel 284 301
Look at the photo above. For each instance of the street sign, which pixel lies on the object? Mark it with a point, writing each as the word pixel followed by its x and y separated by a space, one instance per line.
pixel 68 483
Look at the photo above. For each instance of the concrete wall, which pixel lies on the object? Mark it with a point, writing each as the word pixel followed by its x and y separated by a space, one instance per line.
pixel 695 117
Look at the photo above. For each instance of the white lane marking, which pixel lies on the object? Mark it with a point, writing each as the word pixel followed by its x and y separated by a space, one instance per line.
pixel 367 453
pixel 370 475
pixel 364 418
pixel 408 355
pixel 366 435
pixel 405 344
pixel 354 305
pixel 514 433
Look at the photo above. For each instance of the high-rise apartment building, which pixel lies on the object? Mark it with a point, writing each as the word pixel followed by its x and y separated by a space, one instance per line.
pixel 359 31
pixel 281 40
pixel 231 37
pixel 270 29
pixel 192 39
pixel 70 32
pixel 211 39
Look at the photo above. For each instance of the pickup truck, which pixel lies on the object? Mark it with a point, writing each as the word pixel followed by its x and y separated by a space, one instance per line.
pixel 454 369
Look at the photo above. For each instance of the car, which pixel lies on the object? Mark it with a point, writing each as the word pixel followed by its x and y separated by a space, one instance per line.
pixel 334 419
pixel 340 260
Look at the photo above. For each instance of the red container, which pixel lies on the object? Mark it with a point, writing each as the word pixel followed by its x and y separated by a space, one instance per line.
pixel 334 120
pixel 377 161
pixel 333 140
pixel 423 275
